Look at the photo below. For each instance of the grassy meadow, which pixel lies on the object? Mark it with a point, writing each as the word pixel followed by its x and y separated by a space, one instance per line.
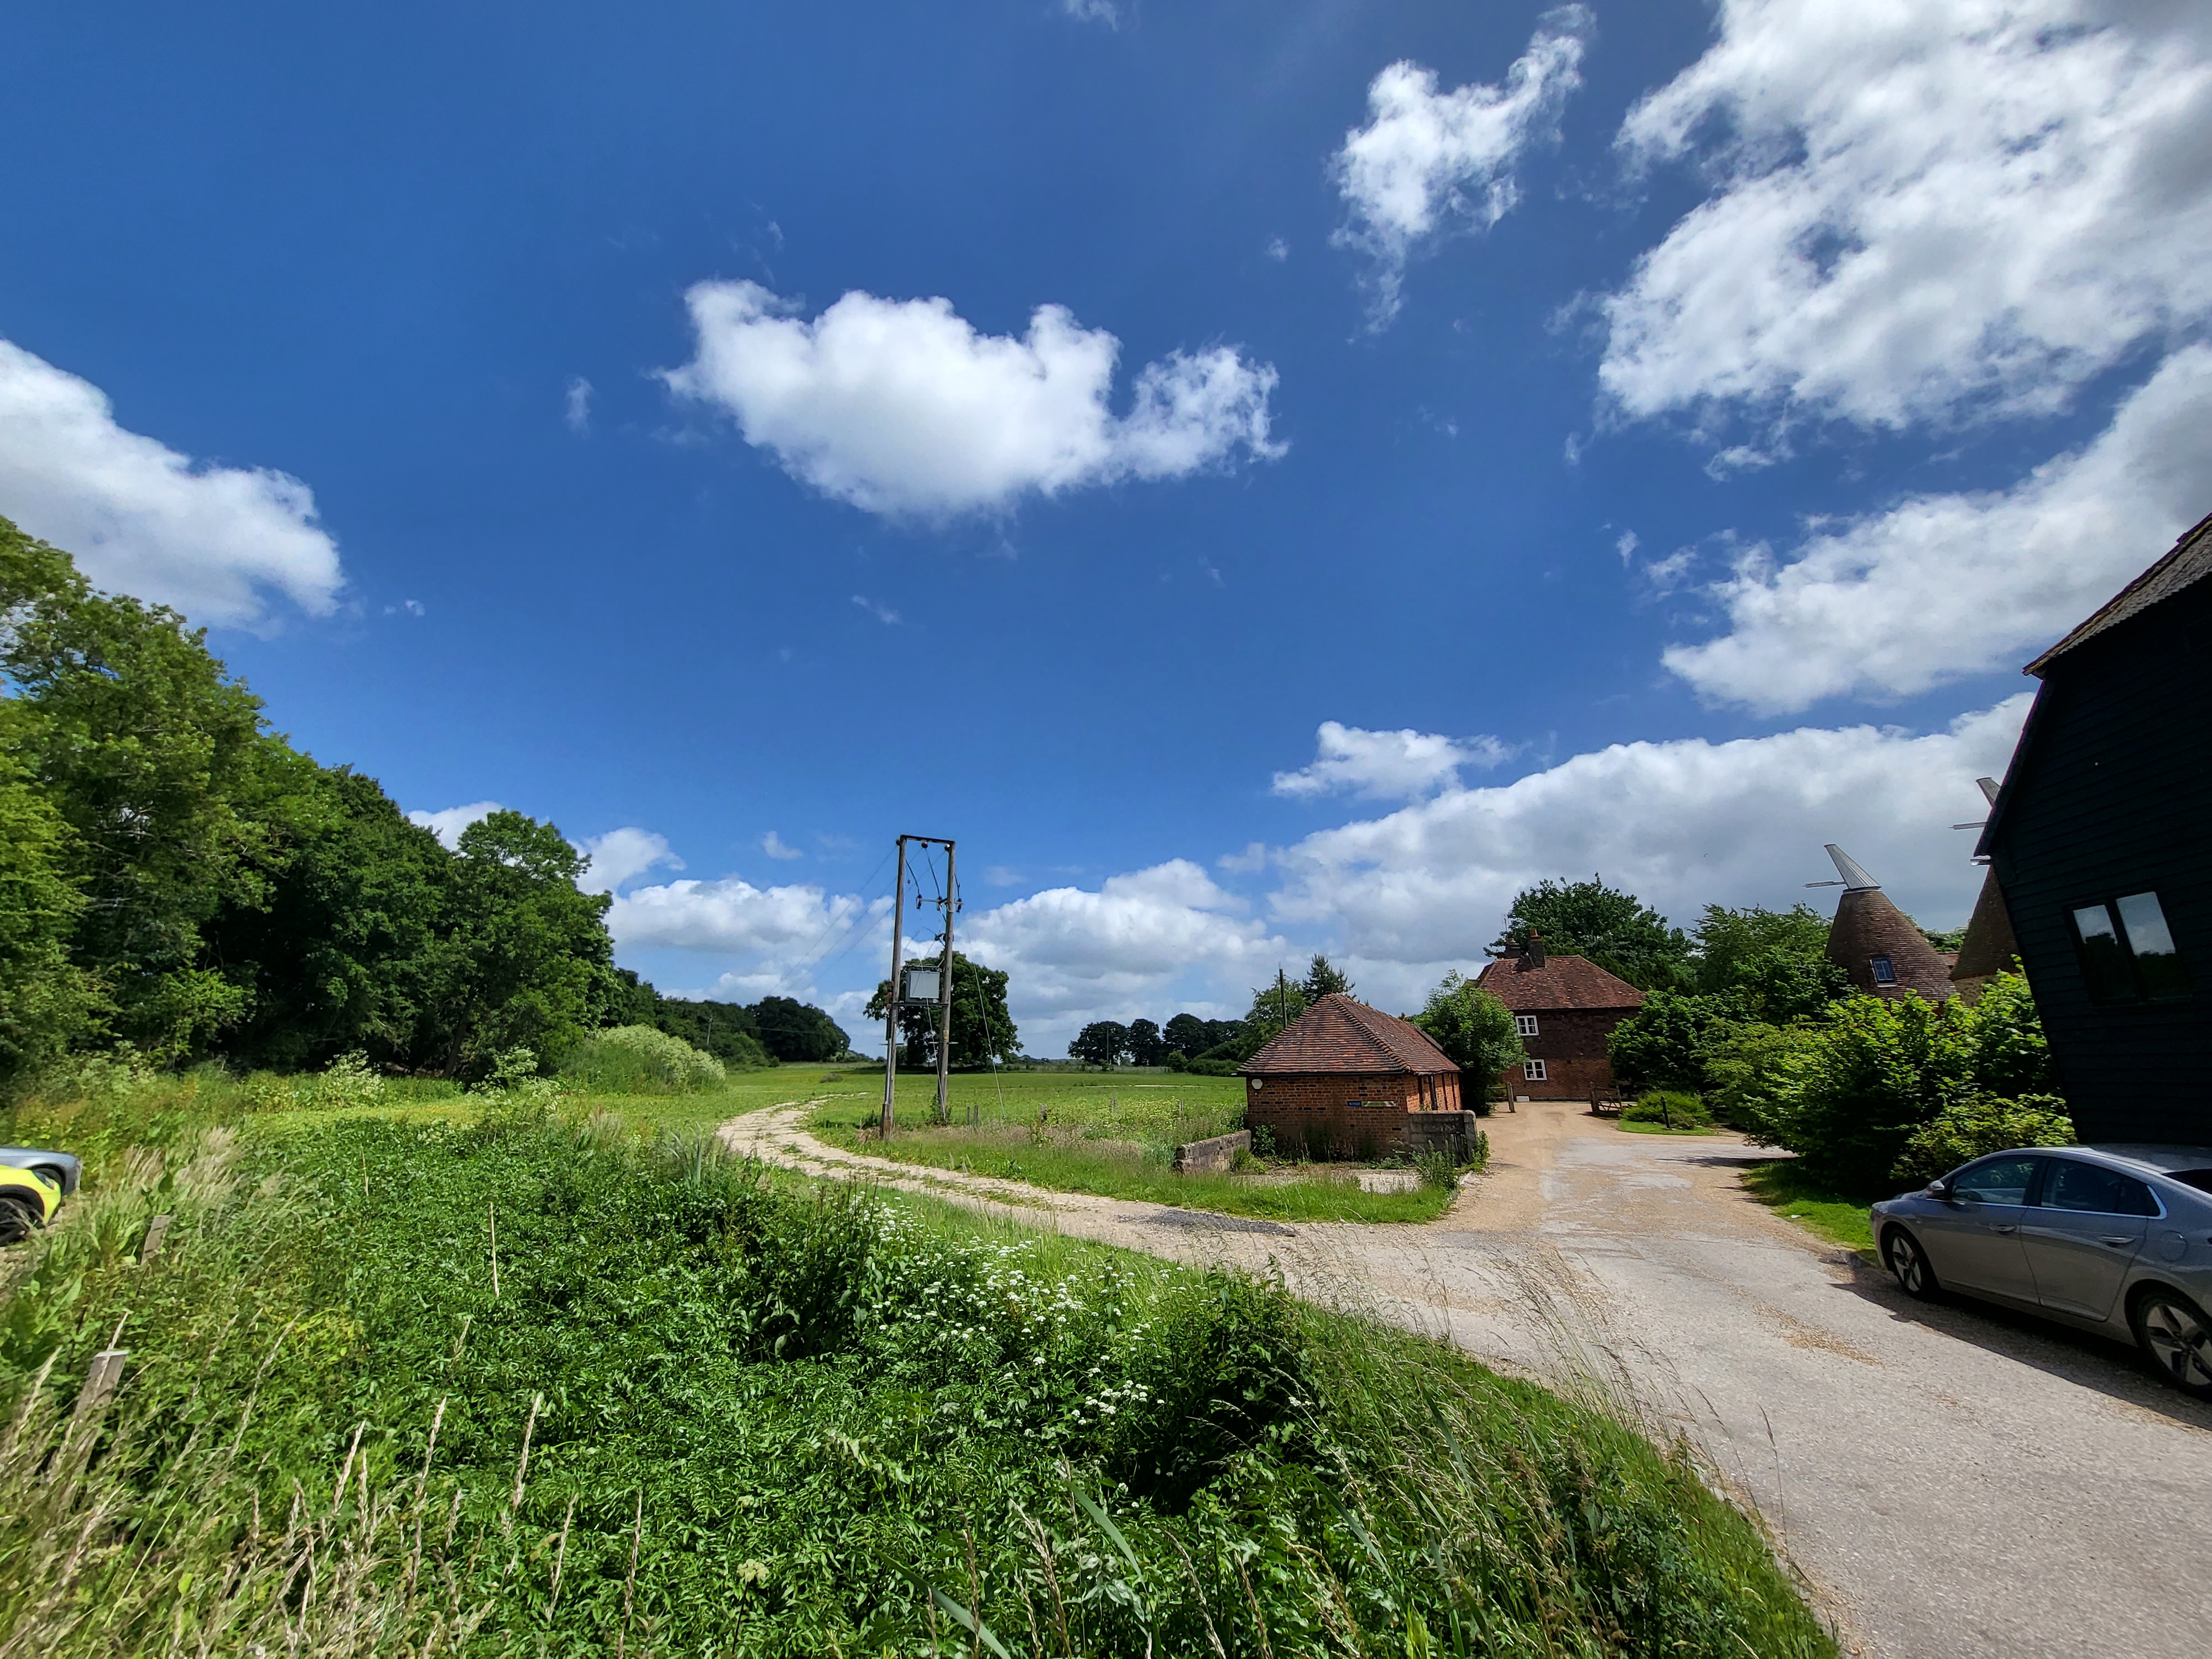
pixel 1113 1133
pixel 413 1376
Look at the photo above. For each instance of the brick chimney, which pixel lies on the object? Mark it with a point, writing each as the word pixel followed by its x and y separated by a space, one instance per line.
pixel 1532 953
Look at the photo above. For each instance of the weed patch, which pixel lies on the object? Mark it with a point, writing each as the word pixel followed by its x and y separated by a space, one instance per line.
pixel 695 1407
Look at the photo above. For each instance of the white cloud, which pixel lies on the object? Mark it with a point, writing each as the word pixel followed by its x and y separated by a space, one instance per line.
pixel 215 542
pixel 1074 955
pixel 1942 585
pixel 1394 764
pixel 579 405
pixel 1429 161
pixel 621 855
pixel 447 823
pixel 1278 249
pixel 1683 824
pixel 882 613
pixel 1093 11
pixel 1254 858
pixel 1627 544
pixel 900 407
pixel 1923 208
pixel 733 916
pixel 776 847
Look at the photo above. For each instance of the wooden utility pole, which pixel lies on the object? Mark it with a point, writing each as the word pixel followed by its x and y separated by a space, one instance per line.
pixel 892 1002
pixel 944 994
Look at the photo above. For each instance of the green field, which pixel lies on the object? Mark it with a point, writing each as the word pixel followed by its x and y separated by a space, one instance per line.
pixel 1112 1134
pixel 685 1405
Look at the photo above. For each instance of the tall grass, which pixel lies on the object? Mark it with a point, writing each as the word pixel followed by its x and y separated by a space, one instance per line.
pixel 637 1060
pixel 709 1411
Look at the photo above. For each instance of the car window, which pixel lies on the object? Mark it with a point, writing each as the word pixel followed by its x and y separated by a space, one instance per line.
pixel 2077 1186
pixel 1995 1180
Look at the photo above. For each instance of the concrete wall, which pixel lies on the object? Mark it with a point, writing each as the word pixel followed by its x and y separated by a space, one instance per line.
pixel 1213 1156
pixel 1325 1129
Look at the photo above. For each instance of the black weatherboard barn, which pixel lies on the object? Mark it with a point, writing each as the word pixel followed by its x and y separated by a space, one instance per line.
pixel 2101 839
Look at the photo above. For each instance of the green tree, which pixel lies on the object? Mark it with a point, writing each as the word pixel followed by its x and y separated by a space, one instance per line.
pixel 177 800
pixel 1614 929
pixel 339 953
pixel 525 952
pixel 1146 1046
pixel 1772 964
pixel 726 1031
pixel 799 1031
pixel 1323 979
pixel 1476 1032
pixel 1103 1043
pixel 1189 1036
pixel 1663 1043
pixel 982 1029
pixel 46 1002
pixel 1274 1009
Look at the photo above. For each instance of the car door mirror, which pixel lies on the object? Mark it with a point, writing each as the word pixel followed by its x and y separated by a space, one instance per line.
pixel 1937 1189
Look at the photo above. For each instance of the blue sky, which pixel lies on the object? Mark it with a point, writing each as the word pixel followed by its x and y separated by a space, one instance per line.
pixel 1264 477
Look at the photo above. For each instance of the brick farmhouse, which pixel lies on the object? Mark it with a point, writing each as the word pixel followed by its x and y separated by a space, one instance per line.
pixel 1565 1008
pixel 1346 1080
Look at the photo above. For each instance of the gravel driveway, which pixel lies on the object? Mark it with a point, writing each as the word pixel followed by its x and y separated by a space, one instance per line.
pixel 1950 1480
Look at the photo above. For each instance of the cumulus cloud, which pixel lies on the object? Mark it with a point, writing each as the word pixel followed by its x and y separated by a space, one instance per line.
pixel 1075 954
pixel 1391 764
pixel 447 823
pixel 1429 162
pixel 1938 587
pixel 1683 824
pixel 215 542
pixel 776 847
pixel 732 916
pixel 579 405
pixel 621 855
pixel 901 407
pixel 1920 211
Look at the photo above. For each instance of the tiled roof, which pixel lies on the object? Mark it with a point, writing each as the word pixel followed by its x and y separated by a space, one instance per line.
pixel 2189 560
pixel 1341 1034
pixel 1560 982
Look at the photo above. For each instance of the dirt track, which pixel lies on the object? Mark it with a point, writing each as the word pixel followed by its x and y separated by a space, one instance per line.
pixel 1950 1480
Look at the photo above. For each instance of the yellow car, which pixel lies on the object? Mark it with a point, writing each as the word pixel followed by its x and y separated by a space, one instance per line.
pixel 27 1200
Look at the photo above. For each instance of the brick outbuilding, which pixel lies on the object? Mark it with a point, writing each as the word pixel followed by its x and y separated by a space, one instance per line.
pixel 1565 1008
pixel 1346 1080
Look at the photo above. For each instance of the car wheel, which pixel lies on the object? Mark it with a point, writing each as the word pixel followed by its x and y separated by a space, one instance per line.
pixel 2176 1338
pixel 17 1220
pixel 1901 1251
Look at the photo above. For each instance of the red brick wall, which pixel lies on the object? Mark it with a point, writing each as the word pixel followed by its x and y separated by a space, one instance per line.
pixel 1572 1043
pixel 1311 1115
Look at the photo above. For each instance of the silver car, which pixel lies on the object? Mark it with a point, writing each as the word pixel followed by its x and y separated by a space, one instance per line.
pixel 2116 1240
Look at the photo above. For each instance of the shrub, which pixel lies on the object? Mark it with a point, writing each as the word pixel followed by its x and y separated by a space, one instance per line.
pixel 637 1060
pixel 1437 1169
pixel 1673 1109
pixel 1968 1129
pixel 1848 1095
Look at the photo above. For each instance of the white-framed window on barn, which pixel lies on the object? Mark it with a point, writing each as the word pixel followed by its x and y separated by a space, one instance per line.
pixel 1524 1024
pixel 1533 1069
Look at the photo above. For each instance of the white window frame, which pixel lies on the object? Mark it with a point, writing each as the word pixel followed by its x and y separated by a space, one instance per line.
pixel 1532 1071
pixel 1524 1024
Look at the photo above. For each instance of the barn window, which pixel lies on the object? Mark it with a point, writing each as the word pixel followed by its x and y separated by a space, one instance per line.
pixel 1885 971
pixel 1533 1069
pixel 2127 952
pixel 1525 1024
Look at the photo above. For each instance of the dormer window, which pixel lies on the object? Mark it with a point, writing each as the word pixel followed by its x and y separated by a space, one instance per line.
pixel 1885 971
pixel 1524 1024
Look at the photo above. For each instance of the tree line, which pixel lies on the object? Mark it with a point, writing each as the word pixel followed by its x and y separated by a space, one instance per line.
pixel 180 883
